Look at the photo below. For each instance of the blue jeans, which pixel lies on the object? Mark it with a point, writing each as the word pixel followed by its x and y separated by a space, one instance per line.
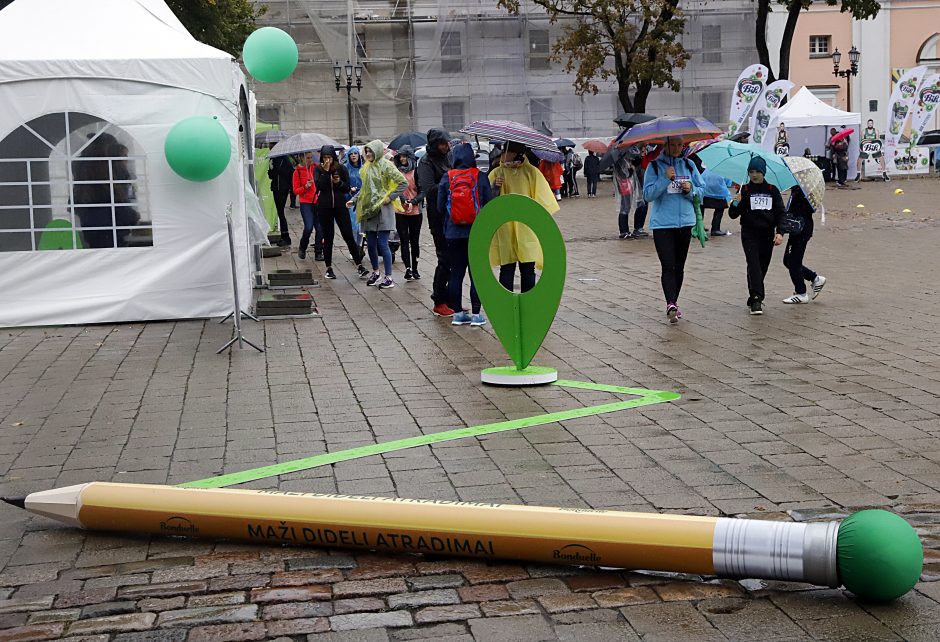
pixel 459 264
pixel 311 223
pixel 378 242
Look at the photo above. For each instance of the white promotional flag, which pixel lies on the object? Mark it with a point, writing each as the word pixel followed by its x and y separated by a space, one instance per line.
pixel 925 106
pixel 746 91
pixel 767 105
pixel 899 107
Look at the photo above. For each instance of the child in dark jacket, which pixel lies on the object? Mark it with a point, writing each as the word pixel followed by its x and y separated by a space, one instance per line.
pixel 799 207
pixel 760 207
pixel 458 236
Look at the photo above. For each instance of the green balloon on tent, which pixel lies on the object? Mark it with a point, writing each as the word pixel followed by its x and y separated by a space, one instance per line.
pixel 198 148
pixel 270 54
pixel 58 235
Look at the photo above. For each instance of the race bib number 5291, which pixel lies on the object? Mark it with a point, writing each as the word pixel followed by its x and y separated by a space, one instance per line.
pixel 761 202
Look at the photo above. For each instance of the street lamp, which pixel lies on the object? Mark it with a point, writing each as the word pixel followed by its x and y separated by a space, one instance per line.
pixel 352 73
pixel 854 55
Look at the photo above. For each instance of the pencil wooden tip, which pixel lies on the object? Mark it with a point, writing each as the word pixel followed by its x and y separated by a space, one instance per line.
pixel 15 501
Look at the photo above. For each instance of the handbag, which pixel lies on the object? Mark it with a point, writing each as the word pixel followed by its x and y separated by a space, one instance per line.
pixel 792 225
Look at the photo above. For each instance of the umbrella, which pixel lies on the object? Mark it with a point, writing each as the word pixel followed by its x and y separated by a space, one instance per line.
pixel 415 139
pixel 930 138
pixel 614 154
pixel 699 145
pixel 510 131
pixel 596 146
pixel 551 157
pixel 658 130
pixel 270 136
pixel 809 177
pixel 300 143
pixel 730 160
pixel 628 120
pixel 564 142
pixel 741 137
pixel 845 133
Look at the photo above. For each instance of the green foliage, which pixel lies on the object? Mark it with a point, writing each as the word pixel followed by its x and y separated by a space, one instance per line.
pixel 635 42
pixel 223 24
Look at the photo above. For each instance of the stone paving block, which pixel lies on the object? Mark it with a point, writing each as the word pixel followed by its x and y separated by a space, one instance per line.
pixel 207 615
pixel 355 621
pixel 520 628
pixel 670 621
pixel 113 624
pixel 601 632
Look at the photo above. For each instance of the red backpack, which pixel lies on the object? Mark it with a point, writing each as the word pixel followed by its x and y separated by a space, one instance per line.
pixel 463 201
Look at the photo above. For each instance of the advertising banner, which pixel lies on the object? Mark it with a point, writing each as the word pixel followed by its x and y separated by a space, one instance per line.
pixel 925 106
pixel 767 105
pixel 744 96
pixel 899 108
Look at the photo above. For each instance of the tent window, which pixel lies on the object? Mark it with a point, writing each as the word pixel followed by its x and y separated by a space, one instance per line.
pixel 71 181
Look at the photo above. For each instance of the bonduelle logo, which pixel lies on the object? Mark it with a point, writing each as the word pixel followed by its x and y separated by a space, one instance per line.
pixel 576 553
pixel 177 525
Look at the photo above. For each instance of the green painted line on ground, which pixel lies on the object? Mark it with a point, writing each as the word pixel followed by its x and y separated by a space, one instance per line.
pixel 645 398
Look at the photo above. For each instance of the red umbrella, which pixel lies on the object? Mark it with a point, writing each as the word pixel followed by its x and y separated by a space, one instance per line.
pixel 596 146
pixel 845 133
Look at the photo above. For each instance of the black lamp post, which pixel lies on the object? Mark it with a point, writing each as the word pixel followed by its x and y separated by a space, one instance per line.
pixel 854 55
pixel 352 72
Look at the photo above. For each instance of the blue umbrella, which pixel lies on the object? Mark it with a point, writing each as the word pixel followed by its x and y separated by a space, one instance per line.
pixel 730 160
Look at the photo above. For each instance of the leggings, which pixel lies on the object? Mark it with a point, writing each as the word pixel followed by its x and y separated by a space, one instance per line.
pixel 339 215
pixel 672 247
pixel 507 275
pixel 378 242
pixel 793 260
pixel 311 218
pixel 409 232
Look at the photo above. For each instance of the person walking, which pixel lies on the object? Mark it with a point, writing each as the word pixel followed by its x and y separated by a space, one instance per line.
pixel 381 185
pixel 306 191
pixel 463 192
pixel 800 208
pixel 353 164
pixel 431 169
pixel 408 220
pixel 592 173
pixel 716 197
pixel 281 173
pixel 576 165
pixel 760 207
pixel 513 242
pixel 552 173
pixel 627 186
pixel 670 185
pixel 332 182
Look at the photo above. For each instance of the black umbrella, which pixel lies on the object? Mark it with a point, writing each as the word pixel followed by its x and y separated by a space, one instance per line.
pixel 414 139
pixel 564 142
pixel 615 154
pixel 628 120
pixel 930 138
pixel 741 137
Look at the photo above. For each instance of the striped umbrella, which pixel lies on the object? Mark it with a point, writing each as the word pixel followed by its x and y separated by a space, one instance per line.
pixel 510 131
pixel 657 131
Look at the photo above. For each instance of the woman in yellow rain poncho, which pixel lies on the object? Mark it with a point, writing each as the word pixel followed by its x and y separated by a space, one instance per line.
pixel 515 242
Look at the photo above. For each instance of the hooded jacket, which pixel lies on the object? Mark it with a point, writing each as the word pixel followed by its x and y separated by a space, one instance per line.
pixel 303 175
pixel 281 173
pixel 592 166
pixel 464 158
pixel 353 170
pixel 671 207
pixel 406 163
pixel 432 168
pixel 515 241
pixel 331 194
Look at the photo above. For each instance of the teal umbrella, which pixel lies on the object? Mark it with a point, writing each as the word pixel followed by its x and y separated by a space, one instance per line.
pixel 730 160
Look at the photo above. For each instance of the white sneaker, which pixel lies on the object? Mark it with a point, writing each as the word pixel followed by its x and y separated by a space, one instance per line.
pixel 797 298
pixel 818 284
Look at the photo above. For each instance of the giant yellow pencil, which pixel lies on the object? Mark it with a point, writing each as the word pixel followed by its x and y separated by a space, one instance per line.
pixel 875 554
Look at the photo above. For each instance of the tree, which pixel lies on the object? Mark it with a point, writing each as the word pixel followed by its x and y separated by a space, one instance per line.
pixel 860 10
pixel 223 24
pixel 641 38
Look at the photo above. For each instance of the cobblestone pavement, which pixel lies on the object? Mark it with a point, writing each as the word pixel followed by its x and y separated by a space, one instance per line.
pixel 804 413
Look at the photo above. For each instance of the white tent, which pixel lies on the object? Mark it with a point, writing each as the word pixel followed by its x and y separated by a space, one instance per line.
pixel 90 89
pixel 808 121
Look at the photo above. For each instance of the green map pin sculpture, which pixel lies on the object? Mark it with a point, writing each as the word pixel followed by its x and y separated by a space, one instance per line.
pixel 521 321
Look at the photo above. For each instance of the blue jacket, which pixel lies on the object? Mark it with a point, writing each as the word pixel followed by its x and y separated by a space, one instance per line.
pixel 464 158
pixel 671 210
pixel 717 186
pixel 354 180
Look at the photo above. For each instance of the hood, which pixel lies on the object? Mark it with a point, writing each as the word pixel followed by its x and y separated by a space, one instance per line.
pixel 377 148
pixel 328 150
pixel 464 158
pixel 354 150
pixel 405 159
pixel 436 137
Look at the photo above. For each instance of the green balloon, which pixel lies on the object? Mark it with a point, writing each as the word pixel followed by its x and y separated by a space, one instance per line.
pixel 270 54
pixel 198 148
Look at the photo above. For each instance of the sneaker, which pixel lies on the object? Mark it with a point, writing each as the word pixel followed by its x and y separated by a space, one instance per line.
pixel 329 273
pixel 415 275
pixel 721 233
pixel 477 320
pixel 797 298
pixel 640 233
pixel 818 284
pixel 373 279
pixel 678 312
pixel 442 310
pixel 858 178
pixel 461 318
pixel 756 307
pixel 409 275
pixel 301 254
pixel 625 237
pixel 885 176
pixel 672 311
pixel 387 283
pixel 363 272
pixel 318 256
pixel 284 242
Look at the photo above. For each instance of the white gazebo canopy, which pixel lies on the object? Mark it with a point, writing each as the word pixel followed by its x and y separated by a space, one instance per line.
pixel 806 110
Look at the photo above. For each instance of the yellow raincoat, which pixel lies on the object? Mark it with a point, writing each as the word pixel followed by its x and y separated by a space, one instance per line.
pixel 513 241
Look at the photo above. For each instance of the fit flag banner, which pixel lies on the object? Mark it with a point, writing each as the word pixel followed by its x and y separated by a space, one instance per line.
pixel 767 105
pixel 746 91
pixel 925 106
pixel 899 107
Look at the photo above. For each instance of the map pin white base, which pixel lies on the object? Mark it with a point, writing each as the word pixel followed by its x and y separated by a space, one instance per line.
pixel 510 376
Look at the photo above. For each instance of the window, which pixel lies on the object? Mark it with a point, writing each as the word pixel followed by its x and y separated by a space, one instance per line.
pixel 361 125
pixel 539 50
pixel 712 108
pixel 361 45
pixel 711 43
pixel 541 110
pixel 453 116
pixel 873 105
pixel 819 46
pixel 71 181
pixel 451 61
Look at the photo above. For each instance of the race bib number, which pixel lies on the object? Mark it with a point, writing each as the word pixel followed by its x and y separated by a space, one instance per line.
pixel 675 185
pixel 761 202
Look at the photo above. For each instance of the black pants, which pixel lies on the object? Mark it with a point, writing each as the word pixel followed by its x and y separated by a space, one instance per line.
pixel 409 233
pixel 280 200
pixel 842 170
pixel 340 216
pixel 716 218
pixel 623 214
pixel 573 189
pixel 758 250
pixel 639 217
pixel 793 260
pixel 442 271
pixel 507 275
pixel 591 185
pixel 672 247
pixel 459 266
